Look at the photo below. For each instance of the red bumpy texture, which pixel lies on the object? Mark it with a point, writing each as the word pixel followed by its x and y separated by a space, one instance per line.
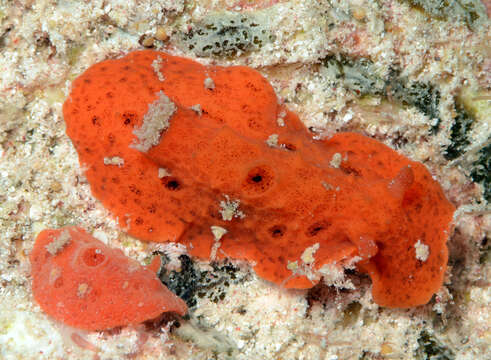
pixel 85 284
pixel 302 203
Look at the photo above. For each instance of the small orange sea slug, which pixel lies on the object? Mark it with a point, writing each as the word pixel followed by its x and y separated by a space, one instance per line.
pixel 204 155
pixel 85 284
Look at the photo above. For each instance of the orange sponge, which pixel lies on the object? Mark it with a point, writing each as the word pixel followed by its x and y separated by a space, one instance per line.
pixel 206 156
pixel 85 284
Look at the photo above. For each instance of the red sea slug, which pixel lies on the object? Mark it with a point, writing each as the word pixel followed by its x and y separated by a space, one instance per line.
pixel 85 284
pixel 204 155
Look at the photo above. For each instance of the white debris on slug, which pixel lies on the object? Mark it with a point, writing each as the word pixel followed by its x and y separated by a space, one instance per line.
pixel 59 242
pixel 218 232
pixel 163 172
pixel 281 118
pixel 155 121
pixel 156 65
pixel 82 290
pixel 329 187
pixel 54 274
pixel 336 160
pixel 308 254
pixel 114 160
pixel 197 109
pixel 229 209
pixel 292 265
pixel 209 83
pixel 214 249
pixel 272 141
pixel 305 268
pixel 326 185
pixel 422 251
